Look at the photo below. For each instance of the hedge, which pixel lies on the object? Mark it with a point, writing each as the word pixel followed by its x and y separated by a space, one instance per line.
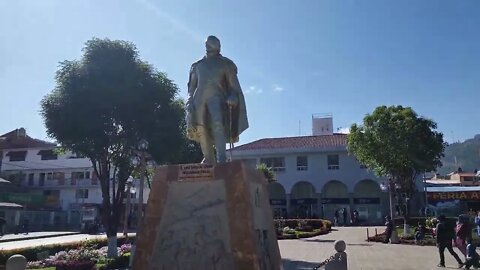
pixel 301 234
pixel 294 223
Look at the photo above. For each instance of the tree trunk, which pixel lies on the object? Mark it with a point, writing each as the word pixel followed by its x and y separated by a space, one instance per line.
pixel 111 225
pixel 112 251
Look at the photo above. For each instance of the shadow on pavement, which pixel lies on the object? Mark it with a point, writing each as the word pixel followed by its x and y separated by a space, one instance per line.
pixel 362 245
pixel 297 265
pixel 319 240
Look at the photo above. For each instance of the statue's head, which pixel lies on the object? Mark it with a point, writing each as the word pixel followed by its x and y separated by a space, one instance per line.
pixel 212 44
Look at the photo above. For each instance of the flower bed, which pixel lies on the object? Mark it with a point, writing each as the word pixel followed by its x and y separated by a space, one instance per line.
pixel 31 253
pixel 84 258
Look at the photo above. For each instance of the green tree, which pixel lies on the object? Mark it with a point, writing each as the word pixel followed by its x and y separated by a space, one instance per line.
pixel 102 106
pixel 267 172
pixel 395 142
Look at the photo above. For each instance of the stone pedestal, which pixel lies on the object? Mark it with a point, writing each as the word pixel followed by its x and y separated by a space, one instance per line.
pixel 208 217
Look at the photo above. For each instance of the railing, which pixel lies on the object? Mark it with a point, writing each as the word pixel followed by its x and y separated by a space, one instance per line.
pixel 70 182
pixel 338 261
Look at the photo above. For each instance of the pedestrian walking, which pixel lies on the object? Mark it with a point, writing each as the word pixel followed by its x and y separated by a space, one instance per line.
pixel 3 223
pixel 461 235
pixel 445 234
pixel 477 223
pixel 472 256
pixel 25 226
pixel 345 214
pixel 336 217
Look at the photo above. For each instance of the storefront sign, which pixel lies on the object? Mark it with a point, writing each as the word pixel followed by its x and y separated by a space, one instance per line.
pixel 278 202
pixel 335 201
pixel 192 172
pixel 303 201
pixel 460 195
pixel 366 200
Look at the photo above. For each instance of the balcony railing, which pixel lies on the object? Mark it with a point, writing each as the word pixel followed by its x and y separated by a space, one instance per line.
pixel 69 183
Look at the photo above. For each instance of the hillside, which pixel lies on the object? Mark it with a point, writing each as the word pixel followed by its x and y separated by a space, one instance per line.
pixel 467 156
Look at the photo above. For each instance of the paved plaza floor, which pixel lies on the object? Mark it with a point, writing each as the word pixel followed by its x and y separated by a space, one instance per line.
pixel 362 255
pixel 33 235
pixel 307 253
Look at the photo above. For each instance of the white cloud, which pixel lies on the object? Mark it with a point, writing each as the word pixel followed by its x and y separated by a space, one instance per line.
pixel 343 130
pixel 253 90
pixel 277 88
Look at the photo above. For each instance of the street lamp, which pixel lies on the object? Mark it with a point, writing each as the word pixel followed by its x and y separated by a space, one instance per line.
pixel 142 148
pixel 129 190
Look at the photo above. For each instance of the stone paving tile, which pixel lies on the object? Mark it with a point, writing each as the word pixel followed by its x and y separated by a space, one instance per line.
pixel 362 255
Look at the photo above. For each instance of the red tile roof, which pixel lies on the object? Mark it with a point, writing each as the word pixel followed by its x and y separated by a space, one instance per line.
pixel 296 142
pixel 17 138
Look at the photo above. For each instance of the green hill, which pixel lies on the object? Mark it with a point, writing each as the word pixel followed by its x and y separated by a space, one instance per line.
pixel 465 155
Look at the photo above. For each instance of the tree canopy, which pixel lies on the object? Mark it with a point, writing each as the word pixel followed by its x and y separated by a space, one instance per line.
pixel 102 106
pixel 394 141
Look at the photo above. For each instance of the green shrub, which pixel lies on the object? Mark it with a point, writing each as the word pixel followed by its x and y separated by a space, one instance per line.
pixel 117 263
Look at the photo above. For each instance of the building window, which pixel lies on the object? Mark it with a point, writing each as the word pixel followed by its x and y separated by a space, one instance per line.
pixel 41 179
pixel 277 163
pixel 302 163
pixel 31 179
pixel 333 162
pixel 76 155
pixel 48 154
pixel 17 155
pixel 81 194
pixel 80 175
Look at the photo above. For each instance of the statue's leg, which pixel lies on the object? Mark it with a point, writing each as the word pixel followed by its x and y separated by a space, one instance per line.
pixel 206 143
pixel 217 128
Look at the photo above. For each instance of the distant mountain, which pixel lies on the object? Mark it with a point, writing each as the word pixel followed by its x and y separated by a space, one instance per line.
pixel 465 155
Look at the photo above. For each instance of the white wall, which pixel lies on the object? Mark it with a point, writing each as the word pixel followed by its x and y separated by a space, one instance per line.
pixel 33 161
pixel 318 174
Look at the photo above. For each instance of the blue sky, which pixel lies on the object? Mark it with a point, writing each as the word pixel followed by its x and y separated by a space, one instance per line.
pixel 295 58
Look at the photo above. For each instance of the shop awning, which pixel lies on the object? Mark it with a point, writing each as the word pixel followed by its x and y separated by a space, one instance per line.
pixel 10 205
pixel 4 181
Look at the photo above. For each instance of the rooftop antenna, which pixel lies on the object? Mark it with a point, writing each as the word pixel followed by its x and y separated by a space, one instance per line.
pixel 299 127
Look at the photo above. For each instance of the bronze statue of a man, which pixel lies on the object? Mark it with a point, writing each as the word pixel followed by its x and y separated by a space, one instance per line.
pixel 216 112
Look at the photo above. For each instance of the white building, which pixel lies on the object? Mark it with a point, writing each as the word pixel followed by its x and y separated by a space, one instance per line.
pixel 316 175
pixel 66 181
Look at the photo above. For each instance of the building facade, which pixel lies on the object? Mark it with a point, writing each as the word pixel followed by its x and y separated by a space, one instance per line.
pixel 61 182
pixel 316 176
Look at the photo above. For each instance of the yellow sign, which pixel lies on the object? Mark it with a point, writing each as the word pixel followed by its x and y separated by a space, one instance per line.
pixel 461 195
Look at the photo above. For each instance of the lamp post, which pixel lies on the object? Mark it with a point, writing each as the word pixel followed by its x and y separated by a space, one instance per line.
pixel 142 147
pixel 425 191
pixel 128 191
